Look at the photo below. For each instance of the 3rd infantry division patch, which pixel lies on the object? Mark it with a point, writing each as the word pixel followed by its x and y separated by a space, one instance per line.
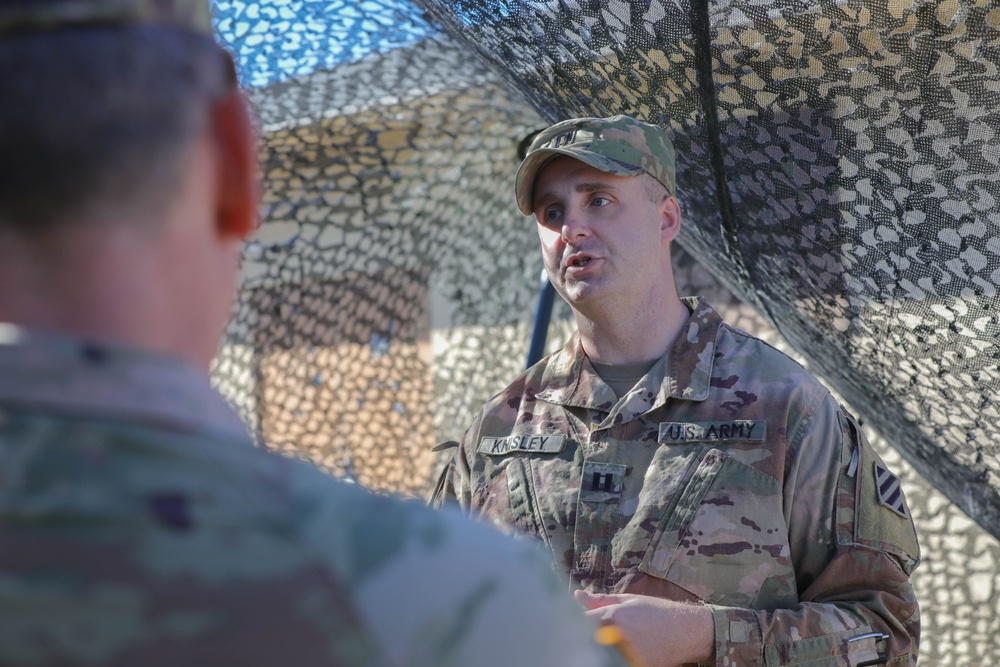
pixel 890 493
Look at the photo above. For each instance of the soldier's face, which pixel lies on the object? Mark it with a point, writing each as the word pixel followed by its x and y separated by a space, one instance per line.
pixel 602 235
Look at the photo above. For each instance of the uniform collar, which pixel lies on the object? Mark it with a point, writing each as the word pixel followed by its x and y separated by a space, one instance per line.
pixel 684 373
pixel 78 377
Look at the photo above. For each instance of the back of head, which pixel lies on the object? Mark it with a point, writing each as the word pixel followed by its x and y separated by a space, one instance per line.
pixel 100 101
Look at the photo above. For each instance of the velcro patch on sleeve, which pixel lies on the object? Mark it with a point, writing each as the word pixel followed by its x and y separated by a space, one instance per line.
pixel 734 430
pixel 528 443
pixel 890 493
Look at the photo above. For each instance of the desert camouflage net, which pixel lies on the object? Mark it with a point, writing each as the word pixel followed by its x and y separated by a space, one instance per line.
pixel 388 264
pixel 838 170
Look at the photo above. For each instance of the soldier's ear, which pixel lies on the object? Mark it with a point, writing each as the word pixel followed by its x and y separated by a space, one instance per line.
pixel 670 219
pixel 237 178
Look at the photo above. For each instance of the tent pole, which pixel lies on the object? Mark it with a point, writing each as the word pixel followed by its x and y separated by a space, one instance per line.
pixel 543 314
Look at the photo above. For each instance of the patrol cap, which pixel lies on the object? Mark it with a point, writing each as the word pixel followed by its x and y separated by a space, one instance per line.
pixel 25 16
pixel 618 145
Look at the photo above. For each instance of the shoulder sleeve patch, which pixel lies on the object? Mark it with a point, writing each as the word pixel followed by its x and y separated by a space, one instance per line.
pixel 890 494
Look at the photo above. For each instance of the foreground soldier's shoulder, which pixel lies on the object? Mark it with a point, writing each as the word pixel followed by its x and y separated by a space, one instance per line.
pixel 437 584
pixel 454 589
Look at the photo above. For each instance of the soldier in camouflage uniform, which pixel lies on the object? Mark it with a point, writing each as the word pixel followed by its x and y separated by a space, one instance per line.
pixel 703 491
pixel 138 524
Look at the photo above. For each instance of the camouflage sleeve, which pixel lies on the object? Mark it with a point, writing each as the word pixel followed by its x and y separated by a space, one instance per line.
pixel 436 588
pixel 857 606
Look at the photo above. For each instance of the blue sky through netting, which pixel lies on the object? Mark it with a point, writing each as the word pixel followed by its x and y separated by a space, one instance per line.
pixel 275 40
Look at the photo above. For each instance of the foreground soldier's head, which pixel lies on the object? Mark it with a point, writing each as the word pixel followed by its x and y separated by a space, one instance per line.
pixel 128 171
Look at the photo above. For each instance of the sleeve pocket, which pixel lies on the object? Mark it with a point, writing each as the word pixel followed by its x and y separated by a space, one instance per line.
pixel 865 515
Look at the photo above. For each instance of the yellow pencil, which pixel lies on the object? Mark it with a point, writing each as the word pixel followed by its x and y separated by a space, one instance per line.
pixel 611 635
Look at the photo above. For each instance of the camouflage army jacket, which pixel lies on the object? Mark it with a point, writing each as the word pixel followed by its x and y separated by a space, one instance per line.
pixel 728 475
pixel 140 526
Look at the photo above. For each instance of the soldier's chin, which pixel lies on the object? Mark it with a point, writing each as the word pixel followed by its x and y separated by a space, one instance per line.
pixel 583 295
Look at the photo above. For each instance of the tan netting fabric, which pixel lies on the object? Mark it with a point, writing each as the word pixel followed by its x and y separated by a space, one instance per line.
pixel 390 287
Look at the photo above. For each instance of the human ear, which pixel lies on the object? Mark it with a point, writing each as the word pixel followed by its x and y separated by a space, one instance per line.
pixel 237 197
pixel 670 219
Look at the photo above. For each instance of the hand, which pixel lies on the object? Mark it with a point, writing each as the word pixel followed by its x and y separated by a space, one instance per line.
pixel 664 632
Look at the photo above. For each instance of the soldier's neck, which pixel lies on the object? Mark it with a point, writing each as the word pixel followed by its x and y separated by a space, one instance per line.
pixel 634 337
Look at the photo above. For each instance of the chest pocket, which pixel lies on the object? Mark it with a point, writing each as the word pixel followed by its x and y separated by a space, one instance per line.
pixel 723 534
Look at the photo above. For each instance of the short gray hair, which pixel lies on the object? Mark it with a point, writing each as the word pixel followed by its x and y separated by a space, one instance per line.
pixel 655 191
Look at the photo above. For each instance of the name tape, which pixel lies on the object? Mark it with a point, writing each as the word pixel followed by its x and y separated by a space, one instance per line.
pixel 738 430
pixel 534 443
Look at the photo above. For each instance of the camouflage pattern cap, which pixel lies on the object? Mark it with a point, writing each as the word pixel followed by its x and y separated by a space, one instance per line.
pixel 24 16
pixel 618 145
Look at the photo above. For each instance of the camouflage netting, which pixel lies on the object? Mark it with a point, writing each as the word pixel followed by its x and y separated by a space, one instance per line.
pixel 838 168
pixel 837 162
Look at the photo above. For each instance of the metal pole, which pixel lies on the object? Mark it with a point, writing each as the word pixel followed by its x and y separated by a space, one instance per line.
pixel 543 314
